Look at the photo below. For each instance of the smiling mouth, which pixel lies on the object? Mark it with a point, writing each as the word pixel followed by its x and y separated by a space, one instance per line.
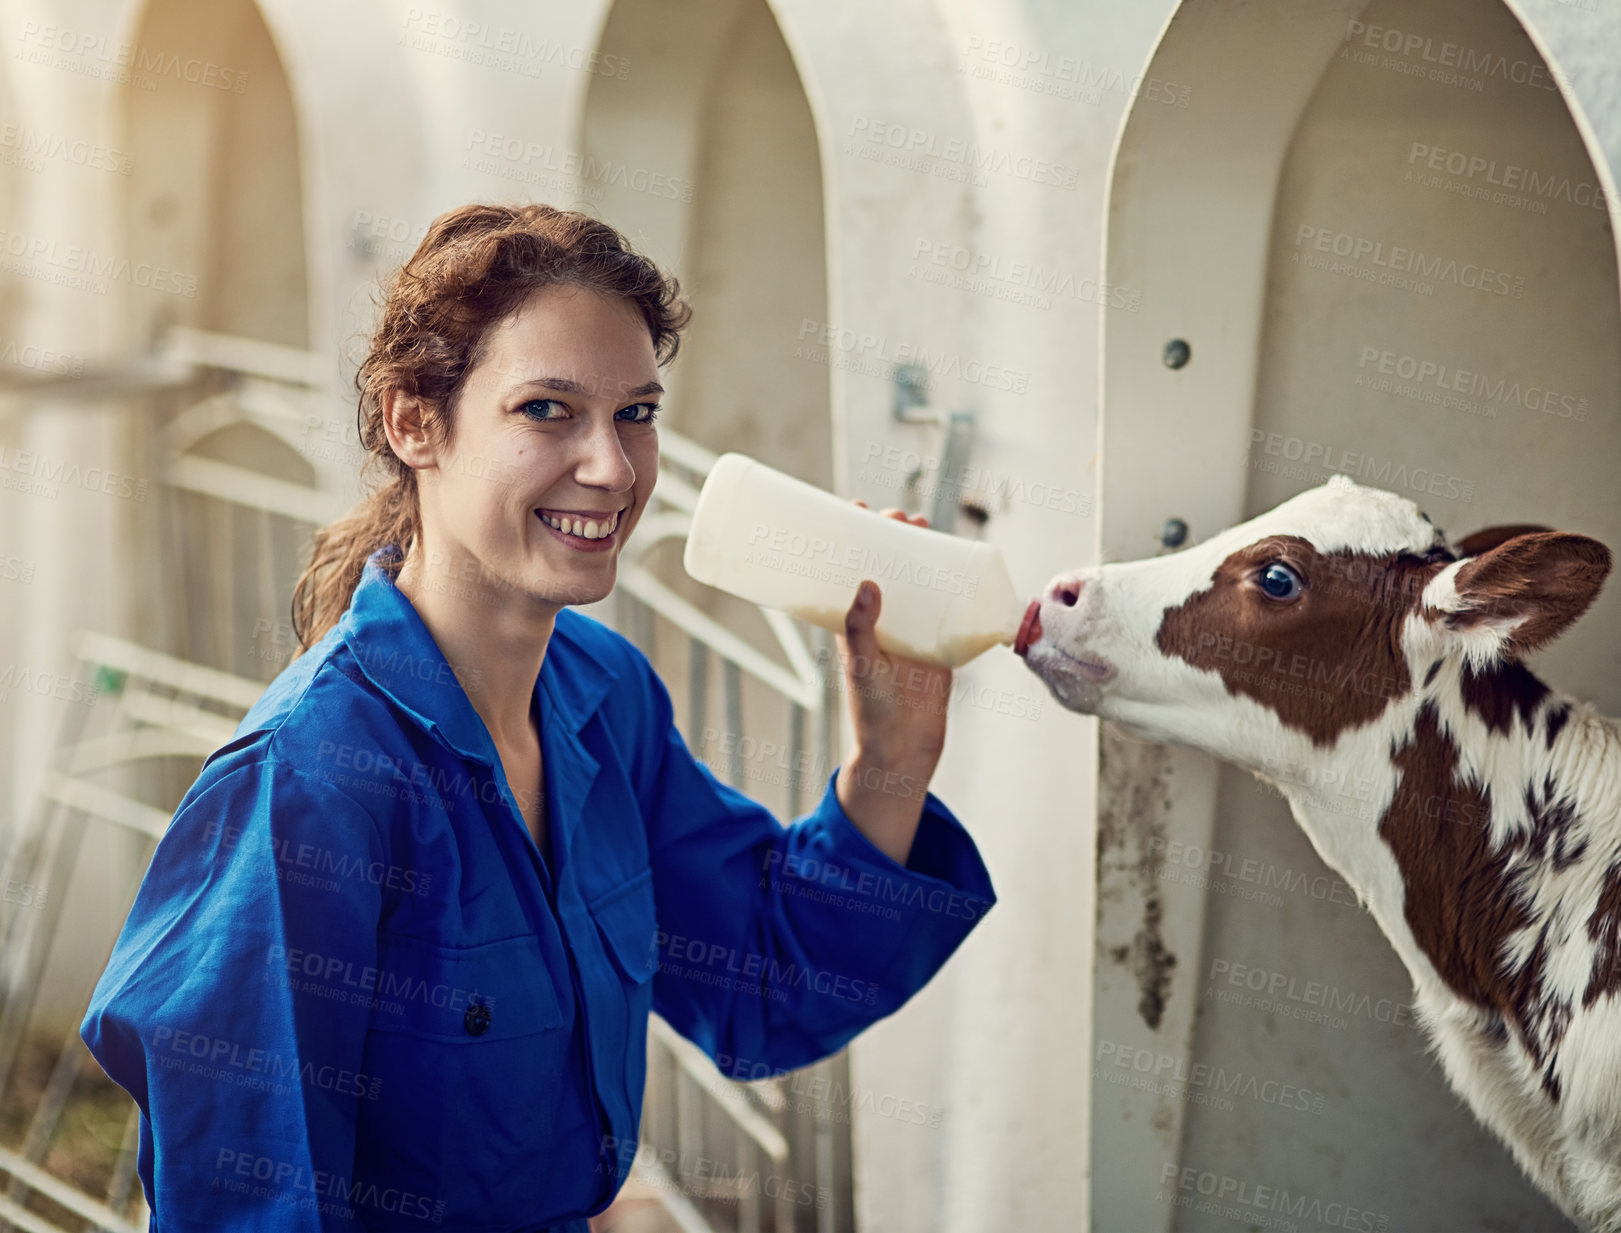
pixel 582 527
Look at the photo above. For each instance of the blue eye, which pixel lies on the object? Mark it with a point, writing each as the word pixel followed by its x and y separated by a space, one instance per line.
pixel 1279 581
pixel 651 408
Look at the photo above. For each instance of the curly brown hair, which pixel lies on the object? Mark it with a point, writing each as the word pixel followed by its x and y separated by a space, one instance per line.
pixel 476 265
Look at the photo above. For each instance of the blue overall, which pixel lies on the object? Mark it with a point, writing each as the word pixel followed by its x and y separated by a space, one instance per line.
pixel 352 992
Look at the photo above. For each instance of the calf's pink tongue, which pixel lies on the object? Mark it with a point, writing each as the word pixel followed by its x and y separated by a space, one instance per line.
pixel 1029 628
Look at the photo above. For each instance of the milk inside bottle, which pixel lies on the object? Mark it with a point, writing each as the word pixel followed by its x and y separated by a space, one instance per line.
pixel 774 540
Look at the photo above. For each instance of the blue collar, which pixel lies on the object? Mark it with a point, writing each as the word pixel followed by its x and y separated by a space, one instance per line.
pixel 399 656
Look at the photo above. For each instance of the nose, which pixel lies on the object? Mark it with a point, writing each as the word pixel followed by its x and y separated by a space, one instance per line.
pixel 1064 589
pixel 605 464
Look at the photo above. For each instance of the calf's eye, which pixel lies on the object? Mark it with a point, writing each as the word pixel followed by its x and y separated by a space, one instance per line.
pixel 1279 581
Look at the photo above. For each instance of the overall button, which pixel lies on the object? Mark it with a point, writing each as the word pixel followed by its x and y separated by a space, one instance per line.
pixel 477 1018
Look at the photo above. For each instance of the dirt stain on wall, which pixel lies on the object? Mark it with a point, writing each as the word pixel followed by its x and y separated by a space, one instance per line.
pixel 1133 801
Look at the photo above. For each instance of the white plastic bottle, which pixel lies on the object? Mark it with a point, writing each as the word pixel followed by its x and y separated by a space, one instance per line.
pixel 774 540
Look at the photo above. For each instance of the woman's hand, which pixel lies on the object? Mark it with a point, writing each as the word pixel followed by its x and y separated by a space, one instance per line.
pixel 898 705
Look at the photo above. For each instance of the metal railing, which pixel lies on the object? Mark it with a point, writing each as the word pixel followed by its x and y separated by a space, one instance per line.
pixel 151 708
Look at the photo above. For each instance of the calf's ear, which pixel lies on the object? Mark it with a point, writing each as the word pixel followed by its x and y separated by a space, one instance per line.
pixel 1523 593
pixel 1487 538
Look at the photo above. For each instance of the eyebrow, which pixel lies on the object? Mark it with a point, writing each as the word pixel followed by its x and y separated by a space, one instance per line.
pixel 566 386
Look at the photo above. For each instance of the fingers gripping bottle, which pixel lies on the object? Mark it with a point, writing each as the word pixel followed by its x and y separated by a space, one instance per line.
pixel 774 540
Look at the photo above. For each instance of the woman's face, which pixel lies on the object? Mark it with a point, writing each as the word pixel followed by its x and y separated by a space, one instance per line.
pixel 553 423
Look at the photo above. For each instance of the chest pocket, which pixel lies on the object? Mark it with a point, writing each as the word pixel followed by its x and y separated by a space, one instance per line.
pixel 626 918
pixel 467 1065
pixel 480 994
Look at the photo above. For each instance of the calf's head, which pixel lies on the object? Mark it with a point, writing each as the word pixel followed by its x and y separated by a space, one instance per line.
pixel 1330 614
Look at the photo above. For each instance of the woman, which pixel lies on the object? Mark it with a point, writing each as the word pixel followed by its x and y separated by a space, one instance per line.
pixel 392 962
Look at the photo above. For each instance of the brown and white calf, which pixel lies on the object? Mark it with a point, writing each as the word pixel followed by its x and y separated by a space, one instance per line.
pixel 1339 639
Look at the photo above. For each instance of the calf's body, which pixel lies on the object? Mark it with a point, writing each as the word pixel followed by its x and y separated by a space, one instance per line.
pixel 1339 647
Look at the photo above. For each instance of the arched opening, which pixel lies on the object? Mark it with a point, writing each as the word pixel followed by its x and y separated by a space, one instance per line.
pixel 706 155
pixel 216 190
pixel 1391 255
pixel 719 109
pixel 216 197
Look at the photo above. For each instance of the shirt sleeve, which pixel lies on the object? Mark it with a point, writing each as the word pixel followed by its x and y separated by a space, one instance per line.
pixel 778 944
pixel 234 1007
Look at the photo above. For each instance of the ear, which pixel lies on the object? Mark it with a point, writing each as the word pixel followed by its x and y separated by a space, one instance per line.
pixel 405 425
pixel 1522 594
pixel 1488 538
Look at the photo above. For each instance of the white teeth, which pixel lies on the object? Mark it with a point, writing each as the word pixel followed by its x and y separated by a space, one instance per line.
pixel 584 529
